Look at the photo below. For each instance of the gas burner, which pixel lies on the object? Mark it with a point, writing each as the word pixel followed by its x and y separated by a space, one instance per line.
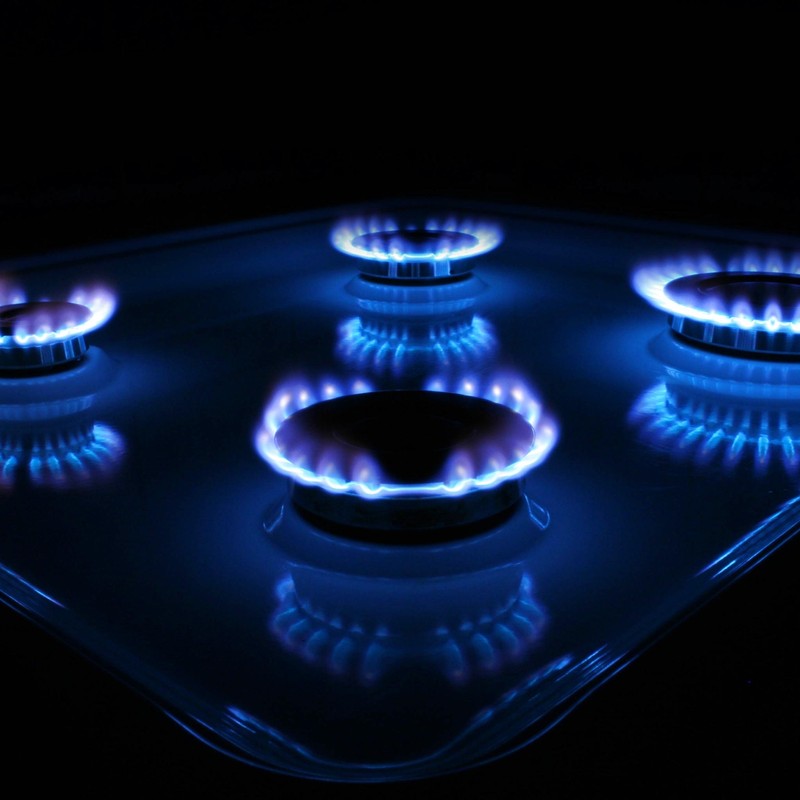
pixel 734 412
pixel 44 334
pixel 49 437
pixel 442 457
pixel 405 328
pixel 433 249
pixel 752 307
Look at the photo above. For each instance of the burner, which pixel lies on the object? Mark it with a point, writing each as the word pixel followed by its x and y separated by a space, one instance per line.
pixel 43 334
pixel 407 459
pixel 745 309
pixel 431 250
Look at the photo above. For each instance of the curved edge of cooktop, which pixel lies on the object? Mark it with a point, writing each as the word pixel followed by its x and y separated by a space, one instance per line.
pixel 528 712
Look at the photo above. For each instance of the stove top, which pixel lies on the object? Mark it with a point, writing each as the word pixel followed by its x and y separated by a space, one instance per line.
pixel 380 494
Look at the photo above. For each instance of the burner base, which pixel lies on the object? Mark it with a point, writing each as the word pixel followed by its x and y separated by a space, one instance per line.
pixel 44 356
pixel 406 517
pixel 749 342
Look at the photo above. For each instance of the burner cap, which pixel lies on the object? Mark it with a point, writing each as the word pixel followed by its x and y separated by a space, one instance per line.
pixel 409 458
pixel 42 333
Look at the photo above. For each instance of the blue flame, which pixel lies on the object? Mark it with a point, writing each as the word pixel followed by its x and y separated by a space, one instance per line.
pixel 482 236
pixel 461 474
pixel 99 300
pixel 650 281
pixel 366 650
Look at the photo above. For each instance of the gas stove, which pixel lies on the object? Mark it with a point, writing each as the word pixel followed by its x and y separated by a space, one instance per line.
pixel 379 494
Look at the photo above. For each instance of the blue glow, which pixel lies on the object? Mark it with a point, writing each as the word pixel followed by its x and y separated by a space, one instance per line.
pixel 366 651
pixel 426 302
pixel 398 349
pixel 484 236
pixel 24 592
pixel 706 426
pixel 460 476
pixel 63 460
pixel 754 546
pixel 100 301
pixel 650 281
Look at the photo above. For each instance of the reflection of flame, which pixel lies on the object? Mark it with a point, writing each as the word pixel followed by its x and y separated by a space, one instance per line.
pixel 483 236
pixel 63 459
pixel 651 282
pixel 397 349
pixel 366 650
pixel 706 427
pixel 100 301
pixel 507 390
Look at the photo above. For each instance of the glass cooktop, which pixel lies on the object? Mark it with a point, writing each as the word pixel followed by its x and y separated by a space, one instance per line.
pixel 372 494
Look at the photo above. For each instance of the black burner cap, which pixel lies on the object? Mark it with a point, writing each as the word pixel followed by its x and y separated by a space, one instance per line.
pixel 409 436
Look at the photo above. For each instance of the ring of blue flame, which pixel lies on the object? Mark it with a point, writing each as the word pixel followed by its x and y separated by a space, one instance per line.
pixel 487 236
pixel 651 280
pixel 508 391
pixel 100 301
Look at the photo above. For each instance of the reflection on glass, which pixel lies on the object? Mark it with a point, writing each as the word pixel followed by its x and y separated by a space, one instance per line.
pixel 466 608
pixel 749 304
pixel 49 436
pixel 403 329
pixel 722 410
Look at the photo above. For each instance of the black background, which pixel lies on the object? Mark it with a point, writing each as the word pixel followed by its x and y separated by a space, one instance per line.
pixel 135 119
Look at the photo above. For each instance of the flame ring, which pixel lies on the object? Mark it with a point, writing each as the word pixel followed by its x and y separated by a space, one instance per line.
pixel 512 394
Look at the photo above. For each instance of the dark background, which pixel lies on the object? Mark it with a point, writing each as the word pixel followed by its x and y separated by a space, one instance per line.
pixel 127 120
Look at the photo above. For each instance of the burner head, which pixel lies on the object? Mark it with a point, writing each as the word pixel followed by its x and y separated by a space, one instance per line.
pixel 43 334
pixel 418 249
pixel 750 309
pixel 40 325
pixel 430 251
pixel 751 312
pixel 442 458
pixel 407 442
